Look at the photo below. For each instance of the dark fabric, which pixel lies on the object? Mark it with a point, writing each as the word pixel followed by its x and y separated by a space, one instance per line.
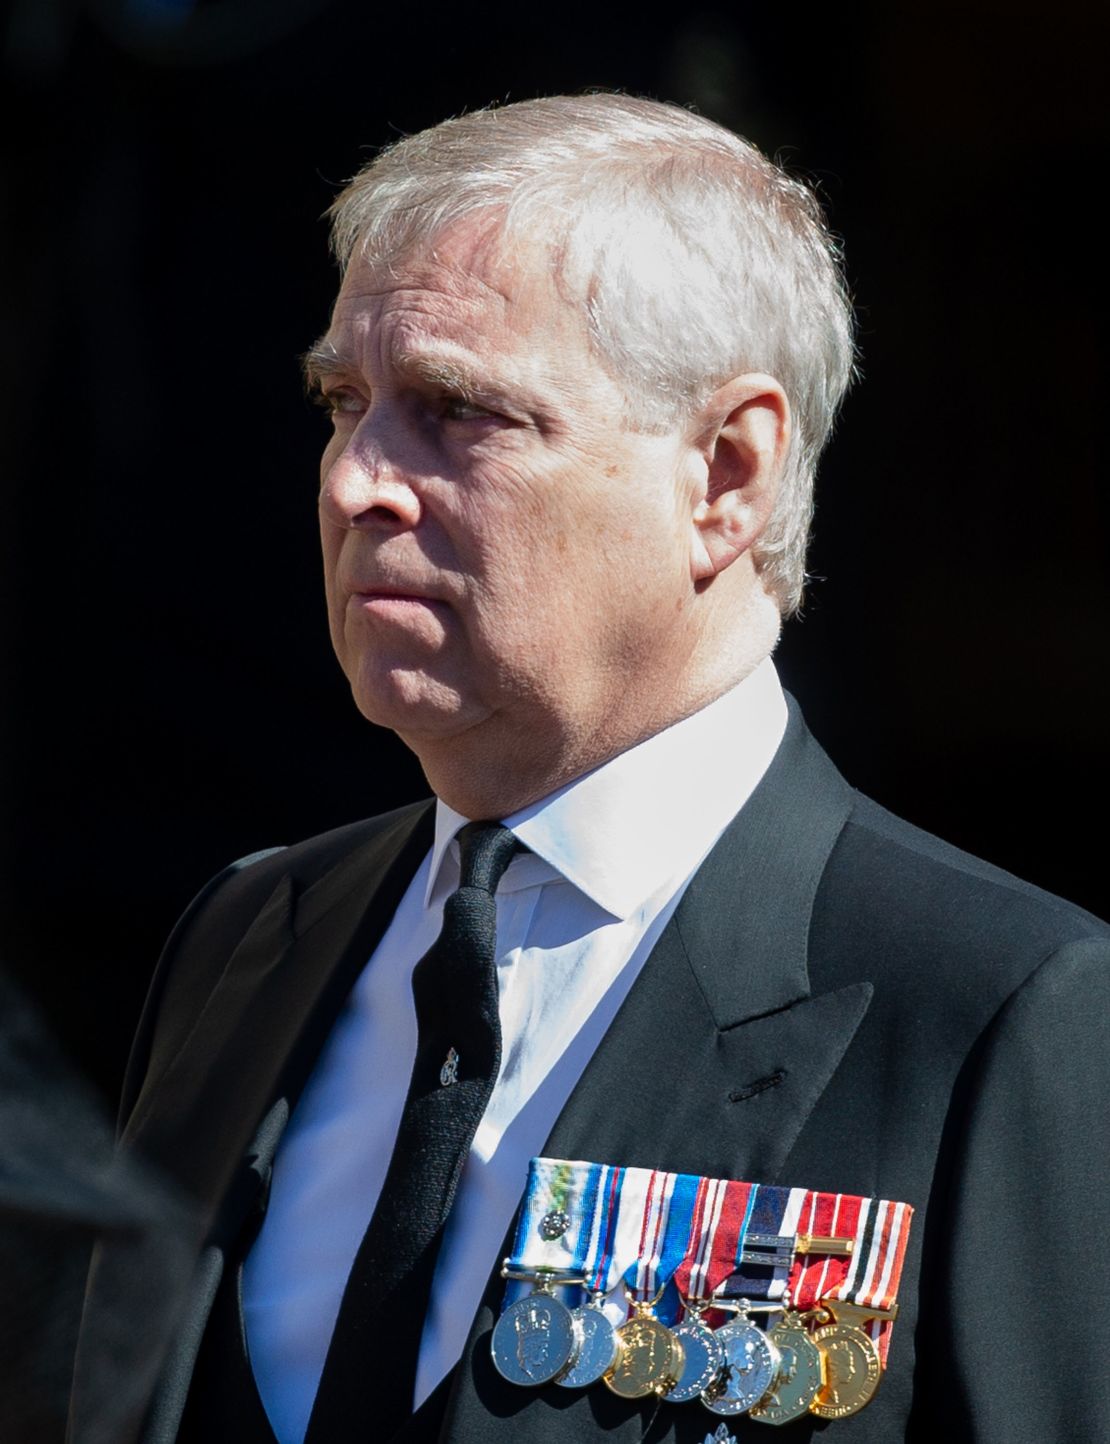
pixel 163 1419
pixel 62 1189
pixel 371 1363
pixel 425 1425
pixel 223 1405
pixel 839 1002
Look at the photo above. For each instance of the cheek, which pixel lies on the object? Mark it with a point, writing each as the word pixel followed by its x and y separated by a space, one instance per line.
pixel 331 545
pixel 331 541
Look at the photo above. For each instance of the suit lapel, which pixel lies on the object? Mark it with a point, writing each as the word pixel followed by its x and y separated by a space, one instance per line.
pixel 267 1018
pixel 719 1053
pixel 713 1063
pixel 242 1068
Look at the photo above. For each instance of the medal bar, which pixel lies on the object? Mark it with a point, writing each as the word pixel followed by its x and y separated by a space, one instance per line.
pixel 815 1243
pixel 776 1250
pixel 826 1266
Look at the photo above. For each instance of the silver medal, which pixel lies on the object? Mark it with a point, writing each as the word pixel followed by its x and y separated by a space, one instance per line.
pixel 598 1351
pixel 753 1363
pixel 535 1340
pixel 705 1360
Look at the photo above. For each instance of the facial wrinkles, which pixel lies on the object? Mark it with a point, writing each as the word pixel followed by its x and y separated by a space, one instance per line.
pixel 543 349
pixel 386 333
pixel 557 541
pixel 444 302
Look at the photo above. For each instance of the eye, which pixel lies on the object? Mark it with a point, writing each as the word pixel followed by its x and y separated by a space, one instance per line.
pixel 339 400
pixel 458 408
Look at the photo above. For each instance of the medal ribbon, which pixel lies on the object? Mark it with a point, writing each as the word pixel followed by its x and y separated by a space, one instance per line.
pixel 649 1227
pixel 668 1204
pixel 869 1276
pixel 717 1223
pixel 816 1276
pixel 555 1187
pixel 765 1252
pixel 598 1265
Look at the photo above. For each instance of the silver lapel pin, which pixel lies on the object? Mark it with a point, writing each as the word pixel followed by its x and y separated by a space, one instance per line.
pixel 449 1073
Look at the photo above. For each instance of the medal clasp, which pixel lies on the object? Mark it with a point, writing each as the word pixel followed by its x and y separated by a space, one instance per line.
pixel 816 1243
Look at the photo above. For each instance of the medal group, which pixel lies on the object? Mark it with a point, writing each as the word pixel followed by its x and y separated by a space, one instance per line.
pixel 694 1263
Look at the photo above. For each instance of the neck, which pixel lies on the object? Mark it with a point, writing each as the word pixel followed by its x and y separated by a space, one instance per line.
pixel 506 763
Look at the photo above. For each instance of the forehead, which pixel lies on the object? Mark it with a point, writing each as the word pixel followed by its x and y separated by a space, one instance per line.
pixel 468 290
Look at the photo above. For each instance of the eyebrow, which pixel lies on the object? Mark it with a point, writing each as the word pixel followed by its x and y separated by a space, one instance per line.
pixel 323 359
pixel 449 374
pixel 320 360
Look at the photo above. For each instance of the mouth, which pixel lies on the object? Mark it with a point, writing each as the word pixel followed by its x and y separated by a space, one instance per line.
pixel 393 601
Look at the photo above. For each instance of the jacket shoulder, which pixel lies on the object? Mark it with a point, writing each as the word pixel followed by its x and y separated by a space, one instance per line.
pixel 941 867
pixel 217 918
pixel 254 876
pixel 937 922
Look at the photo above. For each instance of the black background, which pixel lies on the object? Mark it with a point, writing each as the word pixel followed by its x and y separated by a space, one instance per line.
pixel 173 701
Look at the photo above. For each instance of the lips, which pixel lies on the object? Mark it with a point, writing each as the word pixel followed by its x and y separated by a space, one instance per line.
pixel 397 603
pixel 390 591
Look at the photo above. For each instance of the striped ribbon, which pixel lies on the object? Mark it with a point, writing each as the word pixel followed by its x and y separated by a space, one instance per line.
pixel 717 1226
pixel 879 1229
pixel 555 1186
pixel 762 1268
pixel 711 1236
pixel 622 1223
pixel 668 1205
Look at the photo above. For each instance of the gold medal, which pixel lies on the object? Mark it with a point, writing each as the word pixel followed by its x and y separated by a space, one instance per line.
pixel 650 1359
pixel 800 1377
pixel 852 1370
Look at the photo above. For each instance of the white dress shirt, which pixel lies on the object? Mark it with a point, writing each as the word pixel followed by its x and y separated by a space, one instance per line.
pixel 611 854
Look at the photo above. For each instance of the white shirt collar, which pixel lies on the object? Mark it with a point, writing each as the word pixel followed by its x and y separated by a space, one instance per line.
pixel 648 815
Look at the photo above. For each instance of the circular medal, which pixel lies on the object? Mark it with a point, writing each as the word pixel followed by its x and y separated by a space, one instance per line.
pixel 852 1371
pixel 649 1359
pixel 535 1340
pixel 705 1360
pixel 801 1374
pixel 598 1351
pixel 752 1361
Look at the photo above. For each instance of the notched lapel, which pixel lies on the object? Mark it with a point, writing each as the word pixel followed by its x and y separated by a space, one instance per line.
pixel 219 1074
pixel 723 1002
pixel 793 1054
pixel 265 1021
pixel 656 1096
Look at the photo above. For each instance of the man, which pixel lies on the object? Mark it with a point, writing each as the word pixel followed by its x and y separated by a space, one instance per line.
pixel 583 359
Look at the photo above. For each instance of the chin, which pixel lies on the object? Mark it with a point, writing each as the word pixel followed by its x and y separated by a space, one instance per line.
pixel 412 703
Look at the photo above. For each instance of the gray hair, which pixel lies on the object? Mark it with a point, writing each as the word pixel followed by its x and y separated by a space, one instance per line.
pixel 694 257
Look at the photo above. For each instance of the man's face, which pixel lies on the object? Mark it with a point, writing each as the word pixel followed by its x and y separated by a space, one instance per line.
pixel 500 552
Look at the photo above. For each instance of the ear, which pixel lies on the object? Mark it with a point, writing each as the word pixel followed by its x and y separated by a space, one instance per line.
pixel 741 434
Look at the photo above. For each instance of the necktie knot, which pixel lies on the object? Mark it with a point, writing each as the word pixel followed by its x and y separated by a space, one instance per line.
pixel 486 849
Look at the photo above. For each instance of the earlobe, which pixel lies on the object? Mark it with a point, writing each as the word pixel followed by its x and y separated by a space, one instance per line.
pixel 743 438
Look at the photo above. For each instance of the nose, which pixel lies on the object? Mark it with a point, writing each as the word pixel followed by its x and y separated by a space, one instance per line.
pixel 361 488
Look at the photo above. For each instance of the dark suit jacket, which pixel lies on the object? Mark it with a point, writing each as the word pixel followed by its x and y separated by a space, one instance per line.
pixel 839 1002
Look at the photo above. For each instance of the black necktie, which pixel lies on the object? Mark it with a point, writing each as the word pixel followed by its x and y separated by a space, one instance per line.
pixel 367 1385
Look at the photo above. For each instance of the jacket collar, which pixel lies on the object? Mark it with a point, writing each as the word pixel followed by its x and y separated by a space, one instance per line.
pixel 719 1053
pixel 626 832
pixel 721 1006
